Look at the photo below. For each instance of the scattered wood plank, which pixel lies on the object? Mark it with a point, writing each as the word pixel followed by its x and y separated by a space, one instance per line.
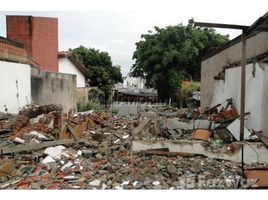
pixel 72 132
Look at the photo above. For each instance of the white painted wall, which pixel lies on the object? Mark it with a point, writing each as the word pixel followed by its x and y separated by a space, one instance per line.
pixel 256 88
pixel 137 82
pixel 67 67
pixel 9 74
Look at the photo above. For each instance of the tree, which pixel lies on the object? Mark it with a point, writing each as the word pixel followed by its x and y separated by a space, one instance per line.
pixel 99 64
pixel 168 55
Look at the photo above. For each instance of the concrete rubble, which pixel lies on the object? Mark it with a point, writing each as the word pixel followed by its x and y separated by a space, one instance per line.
pixel 160 148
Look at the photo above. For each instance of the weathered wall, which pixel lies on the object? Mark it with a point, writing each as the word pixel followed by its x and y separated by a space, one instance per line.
pixel 67 67
pixel 256 93
pixel 264 107
pixel 53 88
pixel 82 95
pixel 211 67
pixel 14 79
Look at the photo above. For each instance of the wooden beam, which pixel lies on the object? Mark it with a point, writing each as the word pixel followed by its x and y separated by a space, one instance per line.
pixel 216 25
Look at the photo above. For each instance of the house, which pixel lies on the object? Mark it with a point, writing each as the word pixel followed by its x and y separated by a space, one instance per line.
pixel 136 82
pixel 15 78
pixel 68 64
pixel 133 89
pixel 30 68
pixel 221 72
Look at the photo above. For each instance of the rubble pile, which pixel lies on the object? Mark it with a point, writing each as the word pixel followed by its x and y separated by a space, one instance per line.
pixel 42 149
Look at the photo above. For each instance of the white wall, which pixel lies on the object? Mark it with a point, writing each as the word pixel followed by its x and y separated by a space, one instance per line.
pixel 255 93
pixel 9 74
pixel 134 82
pixel 256 45
pixel 67 67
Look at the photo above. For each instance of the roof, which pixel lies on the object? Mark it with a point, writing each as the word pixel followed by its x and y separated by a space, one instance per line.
pixel 11 42
pixel 75 61
pixel 130 90
pixel 260 25
pixel 30 16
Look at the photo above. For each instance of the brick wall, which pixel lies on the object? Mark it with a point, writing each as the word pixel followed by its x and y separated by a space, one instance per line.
pixel 12 51
pixel 19 29
pixel 40 37
pixel 45 43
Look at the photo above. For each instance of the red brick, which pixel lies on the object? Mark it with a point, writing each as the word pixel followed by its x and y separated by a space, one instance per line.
pixel 39 35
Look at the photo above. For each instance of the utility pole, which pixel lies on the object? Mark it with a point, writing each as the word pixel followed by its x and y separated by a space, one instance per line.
pixel 243 74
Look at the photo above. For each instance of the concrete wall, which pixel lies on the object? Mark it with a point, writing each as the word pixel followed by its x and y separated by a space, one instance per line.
pixel 256 93
pixel 67 67
pixel 14 79
pixel 82 95
pixel 128 108
pixel 264 107
pixel 211 67
pixel 53 88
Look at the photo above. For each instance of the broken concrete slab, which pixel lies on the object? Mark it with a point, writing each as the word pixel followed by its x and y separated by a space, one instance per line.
pixel 29 148
pixel 174 123
pixel 39 135
pixel 253 152
pixel 143 128
pixel 203 124
pixel 48 159
pixel 95 183
pixel 234 129
pixel 55 152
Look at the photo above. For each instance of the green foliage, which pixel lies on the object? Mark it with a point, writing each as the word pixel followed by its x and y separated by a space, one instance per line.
pixel 189 89
pixel 102 73
pixel 89 106
pixel 168 55
pixel 93 94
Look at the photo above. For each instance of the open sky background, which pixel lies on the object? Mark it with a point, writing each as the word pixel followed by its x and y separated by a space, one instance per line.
pixel 115 26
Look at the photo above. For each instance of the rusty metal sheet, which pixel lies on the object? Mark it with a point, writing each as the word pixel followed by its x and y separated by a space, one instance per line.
pixel 201 134
pixel 260 175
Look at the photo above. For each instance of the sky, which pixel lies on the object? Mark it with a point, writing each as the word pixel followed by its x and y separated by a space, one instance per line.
pixel 115 26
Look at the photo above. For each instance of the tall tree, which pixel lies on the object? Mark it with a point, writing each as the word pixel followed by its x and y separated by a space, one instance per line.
pixel 165 56
pixel 102 72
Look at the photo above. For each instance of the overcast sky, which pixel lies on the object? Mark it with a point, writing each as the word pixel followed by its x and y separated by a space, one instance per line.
pixel 116 29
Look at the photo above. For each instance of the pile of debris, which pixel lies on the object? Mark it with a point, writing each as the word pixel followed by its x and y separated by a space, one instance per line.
pixel 40 148
pixel 218 126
